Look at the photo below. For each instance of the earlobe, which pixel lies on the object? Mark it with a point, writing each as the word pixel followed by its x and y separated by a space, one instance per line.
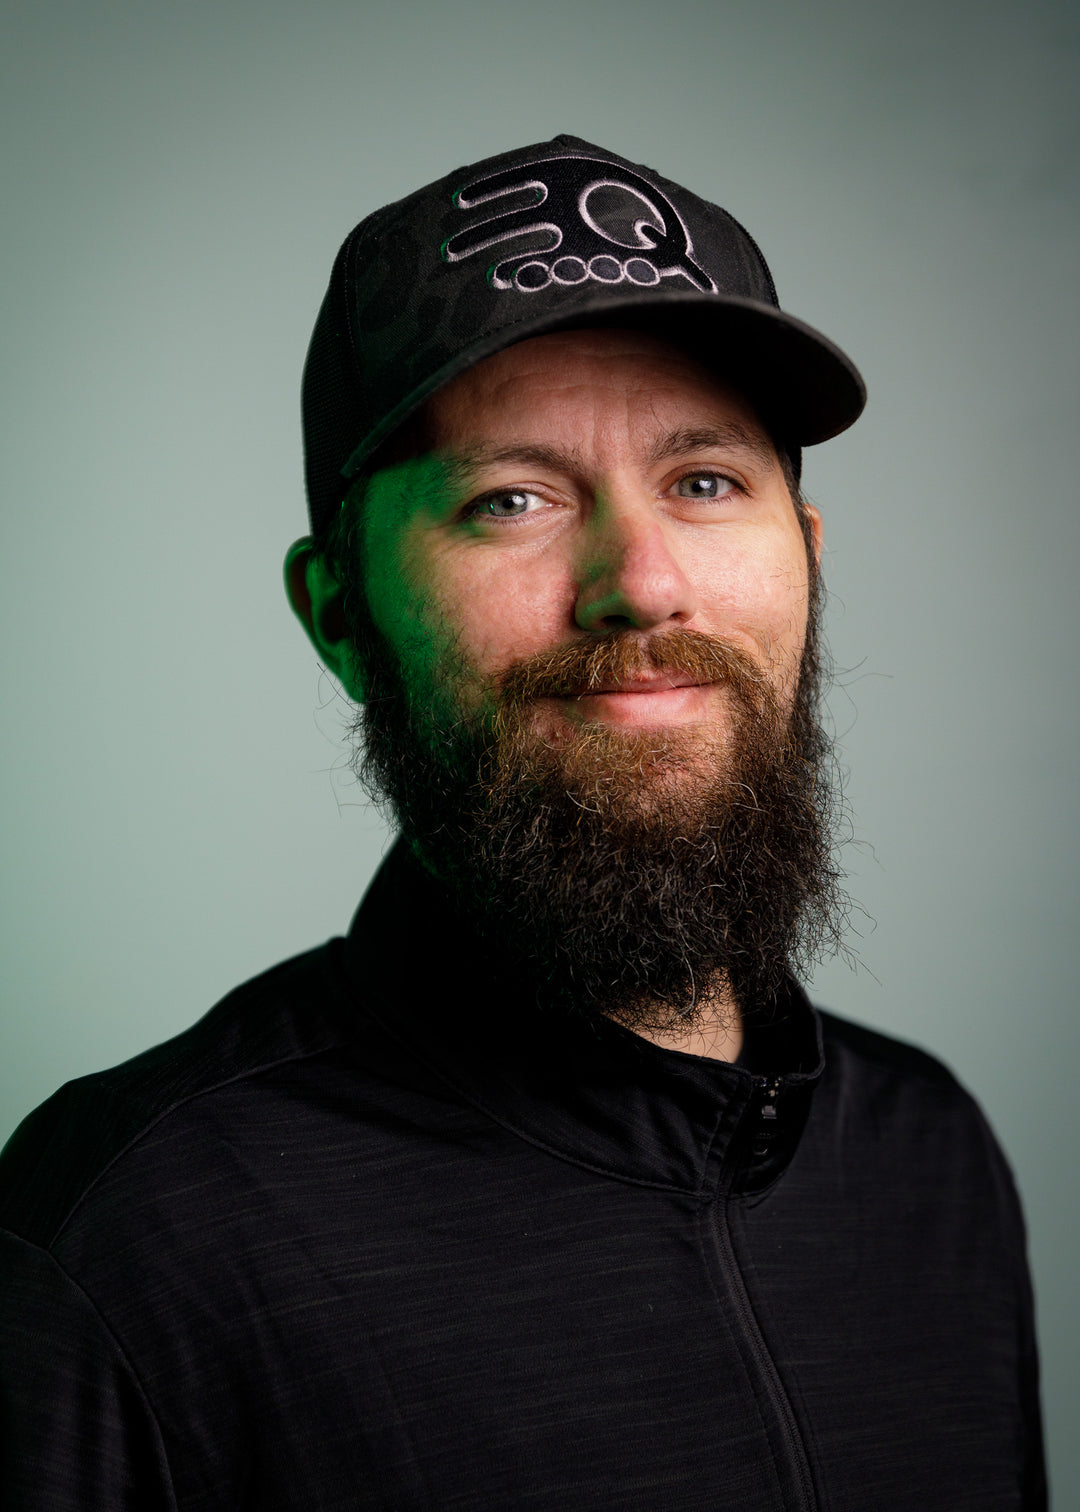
pixel 317 600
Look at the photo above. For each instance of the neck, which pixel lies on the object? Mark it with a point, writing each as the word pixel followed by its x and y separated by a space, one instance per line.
pixel 716 1034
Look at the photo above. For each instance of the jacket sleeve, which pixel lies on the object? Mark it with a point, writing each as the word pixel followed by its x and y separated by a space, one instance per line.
pixel 76 1430
pixel 1034 1462
pixel 1012 1231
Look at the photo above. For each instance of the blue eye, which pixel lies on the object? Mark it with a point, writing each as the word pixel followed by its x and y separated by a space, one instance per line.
pixel 704 485
pixel 507 505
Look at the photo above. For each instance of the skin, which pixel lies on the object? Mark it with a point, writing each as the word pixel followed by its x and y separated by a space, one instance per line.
pixel 579 483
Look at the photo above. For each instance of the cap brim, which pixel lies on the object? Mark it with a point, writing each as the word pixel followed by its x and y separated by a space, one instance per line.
pixel 803 386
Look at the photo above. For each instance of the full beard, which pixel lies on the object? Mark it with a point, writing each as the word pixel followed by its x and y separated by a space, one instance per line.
pixel 643 874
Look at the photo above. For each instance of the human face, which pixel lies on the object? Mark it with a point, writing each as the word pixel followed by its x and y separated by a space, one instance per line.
pixel 577 484
pixel 588 683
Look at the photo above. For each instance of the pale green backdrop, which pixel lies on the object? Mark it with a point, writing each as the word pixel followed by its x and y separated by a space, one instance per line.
pixel 177 180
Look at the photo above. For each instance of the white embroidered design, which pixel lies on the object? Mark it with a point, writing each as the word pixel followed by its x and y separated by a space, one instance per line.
pixel 595 214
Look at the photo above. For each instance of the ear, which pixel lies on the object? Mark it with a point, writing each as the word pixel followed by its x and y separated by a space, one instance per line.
pixel 817 530
pixel 317 600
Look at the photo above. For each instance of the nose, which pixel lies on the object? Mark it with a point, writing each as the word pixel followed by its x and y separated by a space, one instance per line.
pixel 630 575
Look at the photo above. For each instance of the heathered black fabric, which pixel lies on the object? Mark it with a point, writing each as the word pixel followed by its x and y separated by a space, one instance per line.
pixel 375 1235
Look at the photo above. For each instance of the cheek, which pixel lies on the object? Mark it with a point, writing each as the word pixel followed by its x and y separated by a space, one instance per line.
pixel 507 620
pixel 761 595
pixel 784 603
pixel 501 610
pixel 404 611
pixel 452 621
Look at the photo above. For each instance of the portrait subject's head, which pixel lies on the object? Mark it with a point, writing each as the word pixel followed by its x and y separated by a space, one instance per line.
pixel 554 424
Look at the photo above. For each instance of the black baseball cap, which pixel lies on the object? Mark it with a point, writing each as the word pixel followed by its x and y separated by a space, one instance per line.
pixel 551 237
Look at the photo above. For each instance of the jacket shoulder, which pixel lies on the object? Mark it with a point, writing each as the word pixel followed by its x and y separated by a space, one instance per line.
pixel 852 1042
pixel 904 1098
pixel 60 1150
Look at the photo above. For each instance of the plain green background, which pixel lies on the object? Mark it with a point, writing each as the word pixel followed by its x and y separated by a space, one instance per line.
pixel 178 812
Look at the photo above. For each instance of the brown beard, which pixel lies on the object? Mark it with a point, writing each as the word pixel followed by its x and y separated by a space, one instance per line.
pixel 624 872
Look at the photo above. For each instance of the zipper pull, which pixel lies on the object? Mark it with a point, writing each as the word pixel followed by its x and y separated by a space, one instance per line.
pixel 769 1088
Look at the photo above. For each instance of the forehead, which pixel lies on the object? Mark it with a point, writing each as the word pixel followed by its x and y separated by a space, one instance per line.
pixel 613 390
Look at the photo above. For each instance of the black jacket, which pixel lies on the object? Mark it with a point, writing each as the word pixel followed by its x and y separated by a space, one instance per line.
pixel 375 1235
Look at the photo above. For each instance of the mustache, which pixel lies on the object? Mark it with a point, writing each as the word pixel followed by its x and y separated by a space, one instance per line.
pixel 579 665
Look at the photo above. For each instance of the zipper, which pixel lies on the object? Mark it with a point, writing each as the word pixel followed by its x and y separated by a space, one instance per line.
pixel 765 1128
pixel 762 1130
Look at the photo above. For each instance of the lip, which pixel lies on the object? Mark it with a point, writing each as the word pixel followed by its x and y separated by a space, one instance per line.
pixel 651 701
pixel 659 684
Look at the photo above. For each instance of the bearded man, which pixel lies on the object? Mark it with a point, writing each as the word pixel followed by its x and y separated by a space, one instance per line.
pixel 547 1187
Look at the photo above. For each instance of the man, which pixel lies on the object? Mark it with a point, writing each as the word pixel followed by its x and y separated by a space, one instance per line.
pixel 546 1187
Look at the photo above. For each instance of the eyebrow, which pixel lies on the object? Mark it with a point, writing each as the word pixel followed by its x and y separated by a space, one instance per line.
pixel 727 435
pixel 482 454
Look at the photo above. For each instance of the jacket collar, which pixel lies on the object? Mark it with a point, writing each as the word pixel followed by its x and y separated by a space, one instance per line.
pixel 590 1092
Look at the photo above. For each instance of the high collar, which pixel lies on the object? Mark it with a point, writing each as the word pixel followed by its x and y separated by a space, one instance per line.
pixel 589 1091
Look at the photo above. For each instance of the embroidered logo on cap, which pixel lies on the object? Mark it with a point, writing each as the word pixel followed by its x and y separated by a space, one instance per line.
pixel 606 223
